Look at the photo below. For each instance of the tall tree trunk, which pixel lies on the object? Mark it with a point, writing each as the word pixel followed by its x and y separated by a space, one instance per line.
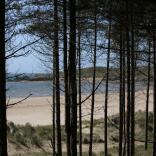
pixel 121 106
pixel 132 86
pixel 67 104
pixel 106 91
pixel 56 57
pixel 3 122
pixel 93 85
pixel 72 77
pixel 54 109
pixel 123 99
pixel 147 96
pixel 80 109
pixel 154 130
pixel 128 80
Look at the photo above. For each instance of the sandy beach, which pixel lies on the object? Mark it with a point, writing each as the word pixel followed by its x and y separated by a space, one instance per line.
pixel 38 110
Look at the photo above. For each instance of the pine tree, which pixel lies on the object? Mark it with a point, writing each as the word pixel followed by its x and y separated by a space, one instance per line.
pixel 3 121
pixel 72 77
pixel 132 85
pixel 79 84
pixel 128 79
pixel 57 95
pixel 147 96
pixel 121 101
pixel 67 102
pixel 93 83
pixel 107 81
pixel 154 60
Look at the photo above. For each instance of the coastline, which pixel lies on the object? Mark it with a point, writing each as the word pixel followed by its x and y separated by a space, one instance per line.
pixel 37 110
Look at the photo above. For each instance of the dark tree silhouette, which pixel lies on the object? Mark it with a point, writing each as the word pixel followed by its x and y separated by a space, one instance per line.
pixel 67 102
pixel 107 81
pixel 56 62
pixel 121 100
pixel 53 114
pixel 154 130
pixel 147 96
pixel 132 85
pixel 72 77
pixel 93 82
pixel 80 105
pixel 128 80
pixel 3 122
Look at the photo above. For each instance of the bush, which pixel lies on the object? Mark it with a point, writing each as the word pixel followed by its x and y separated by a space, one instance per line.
pixel 86 154
pixel 11 128
pixel 44 133
pixel 102 154
pixel 86 140
pixel 21 139
pixel 28 130
pixel 35 140
pixel 96 139
pixel 115 139
pixel 116 120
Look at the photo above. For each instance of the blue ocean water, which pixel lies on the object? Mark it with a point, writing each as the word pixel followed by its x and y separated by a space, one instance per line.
pixel 44 88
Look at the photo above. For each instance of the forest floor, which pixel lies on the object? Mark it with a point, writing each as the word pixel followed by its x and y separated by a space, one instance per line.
pixel 38 110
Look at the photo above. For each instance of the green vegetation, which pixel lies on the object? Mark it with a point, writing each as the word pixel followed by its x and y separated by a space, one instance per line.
pixel 86 73
pixel 140 151
pixel 36 137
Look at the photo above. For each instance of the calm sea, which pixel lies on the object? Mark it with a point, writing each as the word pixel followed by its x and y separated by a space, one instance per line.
pixel 44 88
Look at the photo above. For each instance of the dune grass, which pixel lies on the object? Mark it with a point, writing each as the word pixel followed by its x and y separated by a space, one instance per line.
pixel 30 137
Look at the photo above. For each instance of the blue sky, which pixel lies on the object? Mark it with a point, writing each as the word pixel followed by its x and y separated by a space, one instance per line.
pixel 32 64
pixel 29 64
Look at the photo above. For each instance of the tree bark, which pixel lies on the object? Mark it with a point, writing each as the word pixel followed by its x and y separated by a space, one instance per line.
pixel 128 81
pixel 56 57
pixel 121 101
pixel 54 109
pixel 93 85
pixel 67 104
pixel 106 91
pixel 3 121
pixel 80 108
pixel 72 77
pixel 154 114
pixel 132 86
pixel 147 96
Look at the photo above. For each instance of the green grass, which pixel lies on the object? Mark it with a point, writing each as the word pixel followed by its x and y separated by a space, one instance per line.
pixel 111 152
pixel 28 136
pixel 34 154
pixel 139 151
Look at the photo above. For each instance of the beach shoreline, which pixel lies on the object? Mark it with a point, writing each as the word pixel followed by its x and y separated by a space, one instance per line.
pixel 38 110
